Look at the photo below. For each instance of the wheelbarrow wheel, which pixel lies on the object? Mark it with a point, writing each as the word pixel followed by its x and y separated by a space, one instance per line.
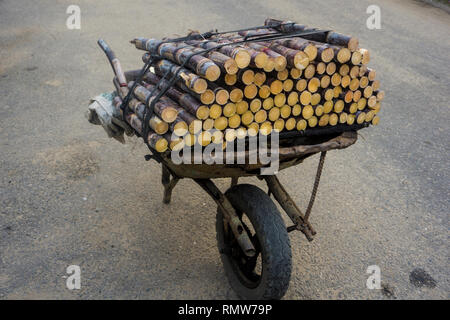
pixel 267 274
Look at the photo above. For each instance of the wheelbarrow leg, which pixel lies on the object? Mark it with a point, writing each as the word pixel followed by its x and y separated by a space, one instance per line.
pixel 168 184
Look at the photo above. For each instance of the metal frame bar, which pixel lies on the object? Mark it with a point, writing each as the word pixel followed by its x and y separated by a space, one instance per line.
pixel 289 206
pixel 230 215
pixel 223 203
pixel 300 220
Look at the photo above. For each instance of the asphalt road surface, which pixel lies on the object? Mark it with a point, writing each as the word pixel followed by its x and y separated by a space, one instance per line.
pixel 71 196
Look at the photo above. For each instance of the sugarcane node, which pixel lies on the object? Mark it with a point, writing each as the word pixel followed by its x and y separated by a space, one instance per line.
pixel 318 110
pixel 189 140
pixel 195 126
pixel 365 54
pixel 253 129
pixel 331 68
pixel 208 124
pixel 215 111
pixel 180 128
pixel 264 92
pixel 290 124
pixel 350 119
pixel 230 135
pixel 328 106
pixel 260 78
pixel 278 125
pixel 288 85
pixel 354 72
pixel 301 125
pixel 336 79
pixel 230 79
pixel 354 84
pixel 266 128
pixel 369 115
pixel 343 118
pixel 292 98
pixel 261 60
pixel 362 103
pixel 255 105
pixel 345 81
pixel 295 73
pixel 357 95
pixel 375 120
pixel 372 101
pixel 229 109
pixel 309 71
pixel 268 103
pixel 333 119
pixel 356 57
pixel 375 85
pixel 236 95
pixel 379 94
pixel 313 85
pixel 260 116
pixel 339 106
pixel 283 75
pixel 328 94
pixel 371 74
pixel 279 100
pixel 247 118
pixel 276 86
pixel 315 98
pixel 250 91
pixel 246 76
pixel 312 122
pixel 296 110
pixel 325 81
pixel 222 96
pixel 221 123
pixel 307 112
pixel 270 65
pixel 202 112
pixel 274 114
pixel 301 85
pixel 337 91
pixel 305 98
pixel 241 133
pixel 363 82
pixel 234 121
pixel 241 107
pixel 217 137
pixel 323 120
pixel 344 70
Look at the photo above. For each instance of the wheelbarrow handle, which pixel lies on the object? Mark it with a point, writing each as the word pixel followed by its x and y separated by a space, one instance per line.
pixel 115 63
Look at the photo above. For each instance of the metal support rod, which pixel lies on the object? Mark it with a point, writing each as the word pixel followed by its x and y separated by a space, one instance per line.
pixel 289 206
pixel 316 184
pixel 230 215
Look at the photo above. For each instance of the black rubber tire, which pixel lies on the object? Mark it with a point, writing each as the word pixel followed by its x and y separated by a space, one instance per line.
pixel 276 259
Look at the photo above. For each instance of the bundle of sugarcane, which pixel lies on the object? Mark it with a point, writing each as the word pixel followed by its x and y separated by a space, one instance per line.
pixel 229 86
